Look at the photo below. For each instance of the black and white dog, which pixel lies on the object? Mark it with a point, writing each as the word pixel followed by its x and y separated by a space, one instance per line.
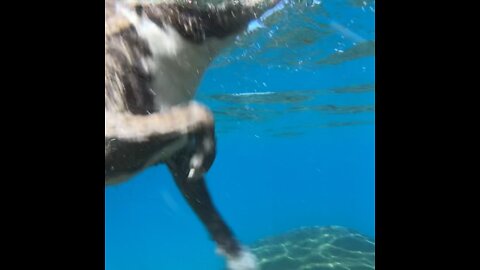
pixel 155 56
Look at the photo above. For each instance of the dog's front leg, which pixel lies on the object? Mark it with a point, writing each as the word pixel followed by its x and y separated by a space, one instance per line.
pixel 188 168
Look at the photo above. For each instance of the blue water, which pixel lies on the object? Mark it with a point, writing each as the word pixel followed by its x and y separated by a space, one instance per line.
pixel 294 103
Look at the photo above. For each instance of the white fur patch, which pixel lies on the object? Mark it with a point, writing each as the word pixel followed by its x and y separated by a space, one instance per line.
pixel 177 65
pixel 181 119
pixel 246 261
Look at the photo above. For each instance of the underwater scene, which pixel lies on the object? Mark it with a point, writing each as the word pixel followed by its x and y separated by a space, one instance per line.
pixel 294 174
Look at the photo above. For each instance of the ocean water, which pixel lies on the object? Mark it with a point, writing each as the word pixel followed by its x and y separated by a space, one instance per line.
pixel 294 102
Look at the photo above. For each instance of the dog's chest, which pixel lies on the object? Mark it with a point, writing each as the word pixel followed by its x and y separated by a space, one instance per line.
pixel 176 65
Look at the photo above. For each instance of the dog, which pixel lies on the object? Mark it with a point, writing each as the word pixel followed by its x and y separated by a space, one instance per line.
pixel 155 56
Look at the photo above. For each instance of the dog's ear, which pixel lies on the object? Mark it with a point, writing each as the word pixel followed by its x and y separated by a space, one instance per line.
pixel 196 23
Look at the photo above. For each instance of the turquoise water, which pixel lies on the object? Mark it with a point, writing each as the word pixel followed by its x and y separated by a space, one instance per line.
pixel 294 102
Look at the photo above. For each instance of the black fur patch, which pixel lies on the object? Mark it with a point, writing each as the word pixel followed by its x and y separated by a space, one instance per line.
pixel 128 157
pixel 196 24
pixel 124 53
